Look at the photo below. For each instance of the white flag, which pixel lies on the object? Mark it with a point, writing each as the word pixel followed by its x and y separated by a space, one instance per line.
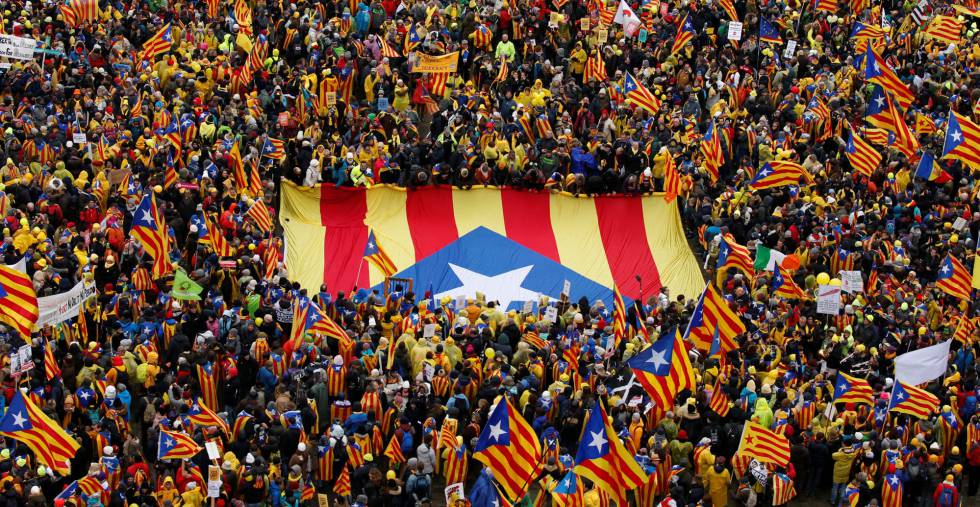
pixel 626 17
pixel 923 365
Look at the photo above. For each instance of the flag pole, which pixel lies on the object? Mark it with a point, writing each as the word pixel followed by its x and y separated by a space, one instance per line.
pixel 357 278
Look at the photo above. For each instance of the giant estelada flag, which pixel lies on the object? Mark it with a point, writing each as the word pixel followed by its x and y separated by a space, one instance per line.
pixel 511 245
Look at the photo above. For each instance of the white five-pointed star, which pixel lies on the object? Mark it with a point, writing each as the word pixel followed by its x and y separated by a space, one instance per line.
pixel 370 245
pixel 496 431
pixel 956 135
pixel 505 287
pixel 147 217
pixel 880 100
pixel 658 358
pixel 568 482
pixel 900 396
pixel 598 440
pixel 19 419
pixel 893 480
pixel 946 269
pixel 85 395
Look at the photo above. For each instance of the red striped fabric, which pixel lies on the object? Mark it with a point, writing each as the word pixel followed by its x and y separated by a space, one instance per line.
pixel 430 235
pixel 625 242
pixel 343 242
pixel 518 206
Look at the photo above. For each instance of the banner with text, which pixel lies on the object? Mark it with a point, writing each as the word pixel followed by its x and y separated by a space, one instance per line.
pixel 428 64
pixel 61 307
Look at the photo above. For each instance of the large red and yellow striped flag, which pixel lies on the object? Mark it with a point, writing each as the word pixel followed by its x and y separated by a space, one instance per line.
pixel 158 44
pixel 587 236
pixel 26 423
pixel 944 28
pixel 18 301
pixel 603 459
pixel 763 444
pixel 259 214
pixel 509 448
pixel 863 157
pixel 80 11
pixel 962 140
pixel 595 68
pixel 218 241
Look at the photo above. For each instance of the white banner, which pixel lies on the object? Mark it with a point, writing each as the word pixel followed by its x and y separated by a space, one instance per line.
pixel 61 307
pixel 923 365
pixel 18 48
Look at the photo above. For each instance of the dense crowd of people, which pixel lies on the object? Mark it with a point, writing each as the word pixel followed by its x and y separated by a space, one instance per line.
pixel 209 106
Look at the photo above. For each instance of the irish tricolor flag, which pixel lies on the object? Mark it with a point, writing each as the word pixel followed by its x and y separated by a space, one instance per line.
pixel 767 258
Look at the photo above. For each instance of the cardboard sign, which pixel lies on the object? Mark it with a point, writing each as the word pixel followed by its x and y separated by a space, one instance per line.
pixel 322 501
pixel 828 299
pixel 551 314
pixel 331 98
pixel 437 64
pixel 601 36
pixel 851 281
pixel 429 331
pixel 759 471
pixel 555 19
pixel 584 24
pixel 382 103
pixel 642 37
pixel 79 138
pixel 21 361
pixel 460 302
pixel 790 49
pixel 213 453
pixel 214 473
pixel 566 288
pixel 117 175
pixel 214 489
pixel 959 224
pixel 454 492
pixel 528 307
pixel 734 30
pixel 283 119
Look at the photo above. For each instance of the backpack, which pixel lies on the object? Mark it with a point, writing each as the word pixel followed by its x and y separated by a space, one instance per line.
pixel 946 497
pixel 421 489
pixel 141 373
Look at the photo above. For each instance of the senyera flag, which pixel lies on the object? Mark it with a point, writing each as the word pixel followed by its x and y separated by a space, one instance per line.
pixel 512 245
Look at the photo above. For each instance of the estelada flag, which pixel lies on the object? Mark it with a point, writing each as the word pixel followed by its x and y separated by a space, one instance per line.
pixel 764 445
pixel 530 242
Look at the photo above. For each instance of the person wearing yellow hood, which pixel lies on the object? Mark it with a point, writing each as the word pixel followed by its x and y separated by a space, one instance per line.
pixel 453 352
pixel 539 94
pixel 192 497
pixel 168 493
pixel 763 414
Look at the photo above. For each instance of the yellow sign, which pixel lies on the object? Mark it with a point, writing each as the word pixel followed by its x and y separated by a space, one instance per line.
pixel 602 35
pixel 585 24
pixel 428 64
pixel 331 98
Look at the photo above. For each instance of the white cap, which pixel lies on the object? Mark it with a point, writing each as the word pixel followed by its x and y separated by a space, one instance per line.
pixel 107 449
pixel 249 458
pixel 301 447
